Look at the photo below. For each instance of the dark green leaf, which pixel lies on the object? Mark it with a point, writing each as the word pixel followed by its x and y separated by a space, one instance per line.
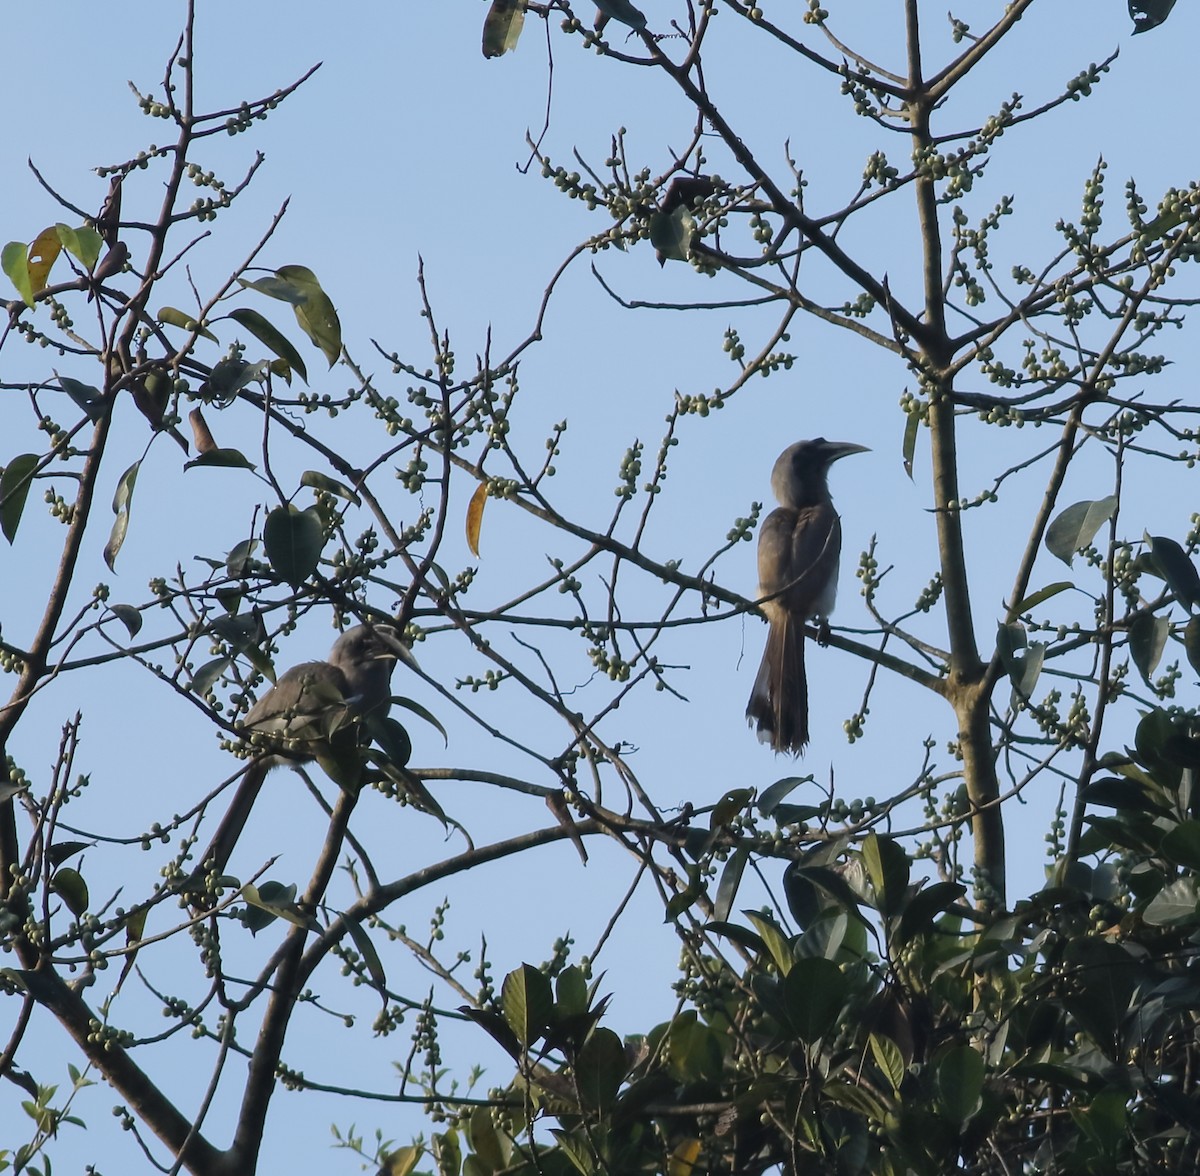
pixel 292 540
pixel 392 738
pixel 572 991
pixel 60 851
pixel 1175 903
pixel 771 796
pixel 232 459
pixel 315 314
pixel 623 11
pixel 267 334
pixel 526 1000
pixel 121 500
pixel 1076 526
pixel 15 480
pixel 421 712
pixel 274 898
pixel 959 1078
pixel 86 397
pixel 888 869
pixel 1149 14
pixel 600 1068
pixel 237 562
pixel 205 678
pixel 776 940
pixel 1147 640
pixel 227 378
pixel 502 27
pixel 370 957
pixel 1182 845
pixel 496 1026
pixel 740 935
pixel 889 1059
pixel 1191 643
pixel 14 260
pixel 815 991
pixel 128 616
pixel 731 878
pixel 925 906
pixel 1172 564
pixel 729 806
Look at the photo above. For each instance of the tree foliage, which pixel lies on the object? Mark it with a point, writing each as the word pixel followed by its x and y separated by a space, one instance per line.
pixel 882 1002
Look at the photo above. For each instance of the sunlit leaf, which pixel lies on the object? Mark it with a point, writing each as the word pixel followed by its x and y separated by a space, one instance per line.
pixel 526 1000
pixel 888 869
pixel 475 517
pixel 1041 596
pixel 184 321
pixel 1191 643
pixel 15 480
pixel 502 27
pixel 83 243
pixel 683 1158
pixel 315 314
pixel 888 1058
pixel 1076 526
pixel 316 480
pixel 14 260
pixel 69 885
pixel 267 334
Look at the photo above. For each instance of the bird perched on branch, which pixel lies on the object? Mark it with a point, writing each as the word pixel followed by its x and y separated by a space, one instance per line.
pixel 320 710
pixel 798 550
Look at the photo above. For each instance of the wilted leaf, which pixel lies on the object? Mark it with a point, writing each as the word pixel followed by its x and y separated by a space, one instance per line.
pixel 1076 526
pixel 266 333
pixel 121 501
pixel 502 27
pixel 475 517
pixel 43 253
pixel 292 540
pixel 15 480
pixel 201 434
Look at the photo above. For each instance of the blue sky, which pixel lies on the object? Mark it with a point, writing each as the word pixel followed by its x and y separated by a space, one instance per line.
pixel 406 145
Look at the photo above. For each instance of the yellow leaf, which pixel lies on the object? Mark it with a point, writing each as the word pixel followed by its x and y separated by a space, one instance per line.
pixel 475 517
pixel 683 1158
pixel 43 253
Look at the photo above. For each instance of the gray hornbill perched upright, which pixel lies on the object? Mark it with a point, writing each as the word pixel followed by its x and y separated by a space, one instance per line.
pixel 798 550
pixel 319 711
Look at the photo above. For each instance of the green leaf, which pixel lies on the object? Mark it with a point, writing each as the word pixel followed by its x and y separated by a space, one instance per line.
pixel 729 806
pixel 69 885
pixel 815 991
pixel 496 1026
pixel 121 500
pixel 231 459
pixel 128 616
pixel 771 796
pixel 572 991
pixel 421 712
pixel 1149 14
pixel 623 11
pixel 959 1079
pixel 228 377
pixel 1191 643
pixel 205 678
pixel 502 27
pixel 600 1068
pixel 1174 567
pixel 89 399
pixel 889 1059
pixel 14 260
pixel 237 562
pixel 315 480
pixel 1041 596
pixel 278 900
pixel 1182 845
pixel 1147 640
pixel 370 957
pixel 1076 526
pixel 888 869
pixel 911 428
pixel 1176 902
pixel 672 234
pixel 527 1001
pixel 292 540
pixel 15 480
pixel 266 333
pixel 184 321
pixel 315 314
pixel 84 243
pixel 773 936
pixel 731 878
